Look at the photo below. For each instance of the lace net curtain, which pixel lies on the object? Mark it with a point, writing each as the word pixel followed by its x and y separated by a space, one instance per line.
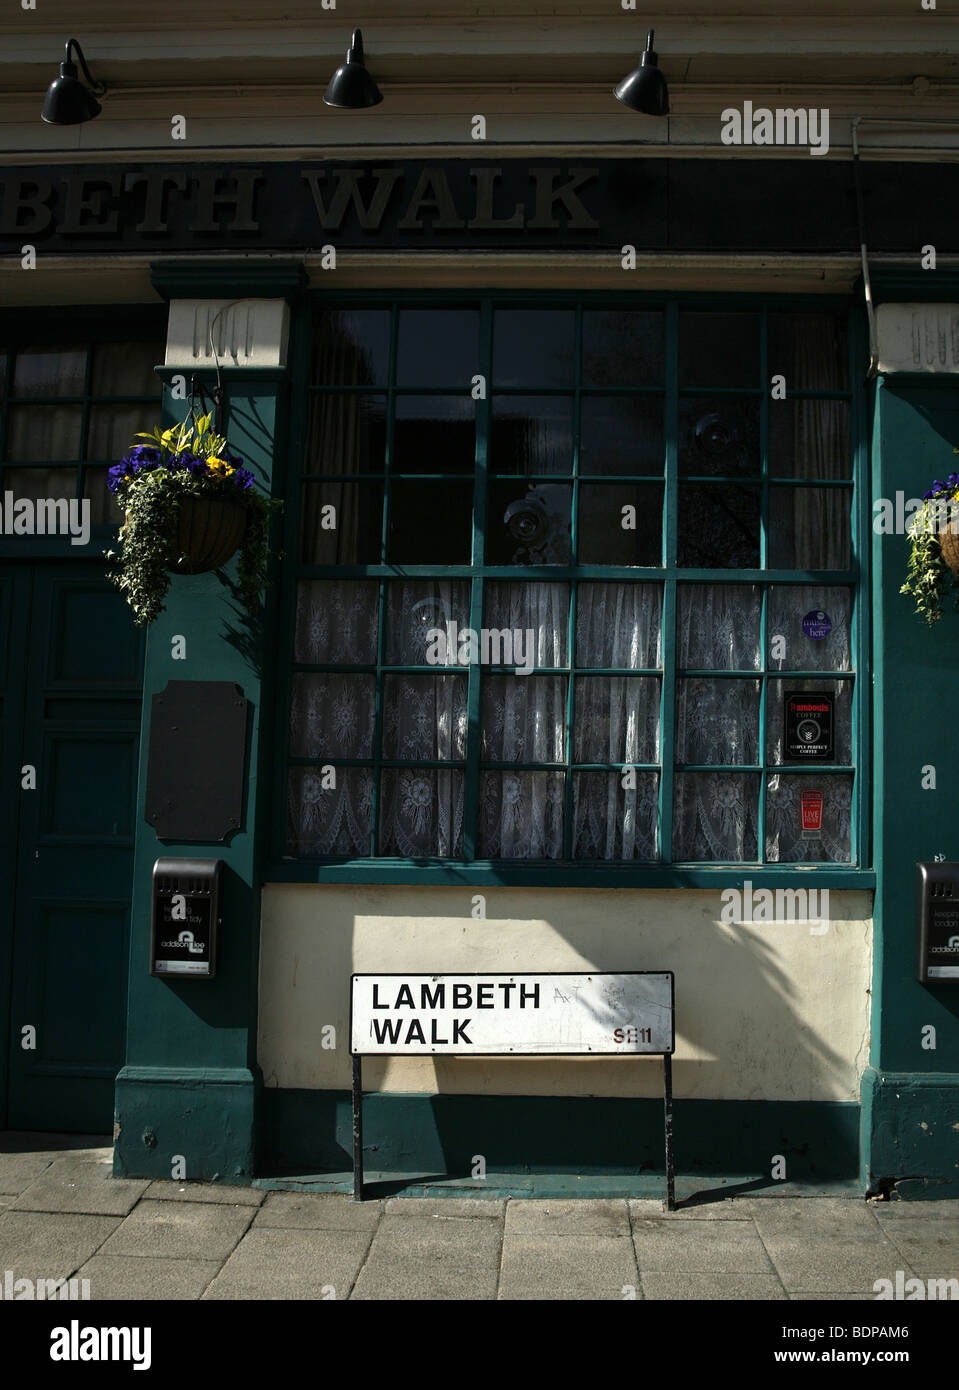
pixel 417 810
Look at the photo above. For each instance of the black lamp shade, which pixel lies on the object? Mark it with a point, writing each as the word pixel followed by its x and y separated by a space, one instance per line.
pixel 351 85
pixel 67 101
pixel 645 88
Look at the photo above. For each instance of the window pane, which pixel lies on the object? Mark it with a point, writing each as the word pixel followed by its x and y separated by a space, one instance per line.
pixel 421 812
pixel 785 841
pixel 718 627
pixel 331 716
pixel 809 439
pixel 41 482
pixel 351 347
pixel 717 721
pixel 127 369
pixel 524 719
pixel 623 347
pixel 44 432
pixel 719 437
pixel 521 815
pixel 542 609
pixel 415 607
pixel 792 606
pixel 350 533
pixel 336 621
pixel 776 692
pixel 616 720
pixel 531 434
pixel 611 821
pixel 621 434
pixel 715 815
pixel 809 528
pixel 602 537
pixel 718 349
pixel 49 371
pixel 809 350
pixel 425 717
pixel 430 523
pixel 114 429
pixel 345 434
pixel 434 434
pixel 438 347
pixel 529 525
pixel 619 625
pixel 718 527
pixel 329 822
pixel 103 504
pixel 533 347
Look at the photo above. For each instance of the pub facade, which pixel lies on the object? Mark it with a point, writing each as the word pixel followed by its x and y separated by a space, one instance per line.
pixel 596 431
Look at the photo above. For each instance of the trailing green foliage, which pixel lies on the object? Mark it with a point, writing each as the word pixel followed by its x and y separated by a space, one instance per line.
pixel 152 481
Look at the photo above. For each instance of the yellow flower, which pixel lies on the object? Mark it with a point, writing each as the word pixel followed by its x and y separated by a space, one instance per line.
pixel 220 467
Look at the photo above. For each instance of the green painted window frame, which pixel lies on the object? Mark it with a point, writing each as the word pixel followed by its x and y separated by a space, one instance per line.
pixel 594 873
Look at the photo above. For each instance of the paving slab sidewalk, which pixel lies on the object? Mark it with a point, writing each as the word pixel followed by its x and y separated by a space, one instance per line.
pixel 63 1215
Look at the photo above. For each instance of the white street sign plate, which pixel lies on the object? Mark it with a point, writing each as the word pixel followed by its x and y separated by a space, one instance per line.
pixel 526 1015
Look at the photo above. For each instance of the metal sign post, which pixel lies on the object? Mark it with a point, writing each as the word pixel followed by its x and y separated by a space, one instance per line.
pixel 528 1015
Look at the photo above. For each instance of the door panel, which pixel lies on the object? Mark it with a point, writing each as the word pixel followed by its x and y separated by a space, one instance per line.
pixel 80 730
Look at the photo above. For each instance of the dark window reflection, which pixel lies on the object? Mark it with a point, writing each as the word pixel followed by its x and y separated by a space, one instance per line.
pixel 430 523
pixel 718 349
pixel 342 524
pixel 621 434
pixel 602 537
pixel 623 347
pixel 810 350
pixel 351 347
pixel 438 347
pixel 434 434
pixel 719 436
pixel 718 526
pixel 528 525
pixel 345 434
pixel 531 434
pixel 533 347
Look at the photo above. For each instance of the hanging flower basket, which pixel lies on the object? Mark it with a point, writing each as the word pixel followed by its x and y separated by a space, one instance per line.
pixel 209 531
pixel 934 548
pixel 189 505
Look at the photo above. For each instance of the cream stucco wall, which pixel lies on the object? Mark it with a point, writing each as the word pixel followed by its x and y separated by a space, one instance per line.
pixel 764 1011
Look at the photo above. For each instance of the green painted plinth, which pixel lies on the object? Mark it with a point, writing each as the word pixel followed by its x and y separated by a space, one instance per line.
pixel 196 1125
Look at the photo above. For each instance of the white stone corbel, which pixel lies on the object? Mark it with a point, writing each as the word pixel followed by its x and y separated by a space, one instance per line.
pixel 243 332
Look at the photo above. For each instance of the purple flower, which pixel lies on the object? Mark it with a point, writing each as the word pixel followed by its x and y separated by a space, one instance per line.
pixel 243 478
pixel 927 496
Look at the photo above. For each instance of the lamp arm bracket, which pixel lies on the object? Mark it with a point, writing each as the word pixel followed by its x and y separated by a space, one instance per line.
pixel 98 88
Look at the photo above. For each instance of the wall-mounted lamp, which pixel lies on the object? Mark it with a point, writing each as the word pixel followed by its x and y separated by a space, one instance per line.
pixel 351 85
pixel 67 101
pixel 645 88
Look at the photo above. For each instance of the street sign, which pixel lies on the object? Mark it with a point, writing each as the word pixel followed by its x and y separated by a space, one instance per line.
pixel 522 1015
pixel 528 1015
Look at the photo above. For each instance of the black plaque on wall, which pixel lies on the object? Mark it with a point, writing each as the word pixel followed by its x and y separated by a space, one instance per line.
pixel 197 764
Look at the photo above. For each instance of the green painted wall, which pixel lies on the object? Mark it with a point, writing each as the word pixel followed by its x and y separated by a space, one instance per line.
pixel 910 1093
pixel 190 1086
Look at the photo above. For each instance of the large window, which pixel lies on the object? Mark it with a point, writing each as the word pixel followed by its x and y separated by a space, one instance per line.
pixel 557 568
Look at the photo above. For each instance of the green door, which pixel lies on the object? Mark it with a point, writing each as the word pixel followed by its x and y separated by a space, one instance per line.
pixel 71 713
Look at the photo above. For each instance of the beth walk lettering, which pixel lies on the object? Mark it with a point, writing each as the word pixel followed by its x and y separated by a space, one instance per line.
pixel 504 994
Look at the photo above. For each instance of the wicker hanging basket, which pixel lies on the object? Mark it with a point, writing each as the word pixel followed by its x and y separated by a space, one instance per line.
pixel 209 531
pixel 949 545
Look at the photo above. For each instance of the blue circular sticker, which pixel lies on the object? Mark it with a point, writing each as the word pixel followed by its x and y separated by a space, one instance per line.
pixel 817 625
